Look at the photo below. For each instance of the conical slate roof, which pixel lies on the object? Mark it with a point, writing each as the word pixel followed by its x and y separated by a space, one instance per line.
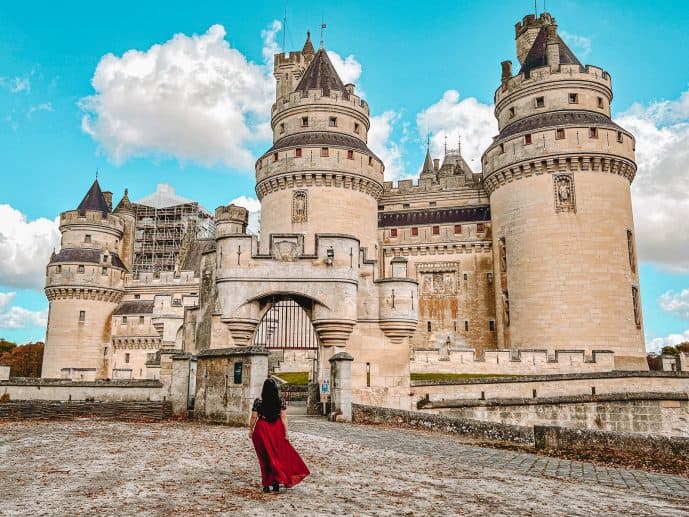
pixel 94 200
pixel 125 204
pixel 308 46
pixel 320 75
pixel 537 56
pixel 428 164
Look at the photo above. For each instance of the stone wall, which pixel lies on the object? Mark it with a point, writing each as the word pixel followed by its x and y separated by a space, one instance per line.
pixel 102 391
pixel 539 386
pixel 130 410
pixel 481 430
pixel 510 362
pixel 664 414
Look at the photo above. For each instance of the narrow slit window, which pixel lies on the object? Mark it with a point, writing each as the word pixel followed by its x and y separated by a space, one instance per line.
pixel 141 320
pixel 491 326
pixel 126 358
pixel 282 128
pixel 428 326
pixel 104 270
pixel 275 157
pixel 58 269
pixel 620 137
pixel 502 148
pixel 124 320
pixel 512 112
pixel 370 160
pixel 637 306
pixel 601 104
pixel 356 128
pixel 82 316
pixel 466 326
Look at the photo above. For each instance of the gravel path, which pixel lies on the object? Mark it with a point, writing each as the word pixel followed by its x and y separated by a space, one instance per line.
pixel 88 467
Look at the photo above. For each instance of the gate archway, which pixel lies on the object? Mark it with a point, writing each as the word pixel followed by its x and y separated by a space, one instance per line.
pixel 287 332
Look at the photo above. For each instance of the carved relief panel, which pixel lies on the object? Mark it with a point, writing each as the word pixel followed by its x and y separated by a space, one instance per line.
pixel 563 186
pixel 437 279
pixel 300 206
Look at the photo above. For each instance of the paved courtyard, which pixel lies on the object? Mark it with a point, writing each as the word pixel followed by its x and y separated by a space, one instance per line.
pixel 88 467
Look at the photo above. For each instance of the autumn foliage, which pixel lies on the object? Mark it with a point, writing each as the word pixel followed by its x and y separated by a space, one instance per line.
pixel 25 360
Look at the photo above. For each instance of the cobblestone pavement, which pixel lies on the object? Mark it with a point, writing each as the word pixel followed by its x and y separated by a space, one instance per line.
pixel 88 467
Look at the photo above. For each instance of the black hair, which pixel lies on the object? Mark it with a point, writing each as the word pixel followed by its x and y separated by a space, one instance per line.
pixel 270 400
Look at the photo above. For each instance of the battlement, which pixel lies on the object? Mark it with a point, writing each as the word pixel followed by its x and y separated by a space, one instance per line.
pixel 530 22
pixel 231 213
pixel 428 185
pixel 160 279
pixel 294 57
pixel 541 77
pixel 90 217
pixel 511 362
pixel 336 98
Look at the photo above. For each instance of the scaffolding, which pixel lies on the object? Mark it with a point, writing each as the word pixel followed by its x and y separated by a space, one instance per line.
pixel 163 222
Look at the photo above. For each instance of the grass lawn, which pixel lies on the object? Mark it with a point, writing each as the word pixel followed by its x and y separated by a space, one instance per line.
pixel 451 376
pixel 298 378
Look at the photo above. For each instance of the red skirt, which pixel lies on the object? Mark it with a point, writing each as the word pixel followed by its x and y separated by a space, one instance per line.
pixel 280 463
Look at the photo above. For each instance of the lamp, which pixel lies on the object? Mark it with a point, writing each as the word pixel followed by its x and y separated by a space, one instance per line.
pixel 330 256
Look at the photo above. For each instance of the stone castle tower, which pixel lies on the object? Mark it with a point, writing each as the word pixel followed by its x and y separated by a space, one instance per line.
pixel 84 285
pixel 558 175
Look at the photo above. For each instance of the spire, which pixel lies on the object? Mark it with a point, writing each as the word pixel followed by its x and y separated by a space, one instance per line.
pixel 94 200
pixel 428 163
pixel 308 46
pixel 320 75
pixel 125 205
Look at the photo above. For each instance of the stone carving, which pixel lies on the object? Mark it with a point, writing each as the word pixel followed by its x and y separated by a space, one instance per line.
pixel 441 283
pixel 285 251
pixel 563 185
pixel 506 307
pixel 299 206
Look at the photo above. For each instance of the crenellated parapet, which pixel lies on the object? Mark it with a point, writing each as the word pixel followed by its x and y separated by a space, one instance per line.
pixel 74 218
pixel 99 294
pixel 335 101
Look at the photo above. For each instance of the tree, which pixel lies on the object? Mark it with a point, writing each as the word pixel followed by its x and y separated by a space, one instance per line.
pixel 6 346
pixel 683 347
pixel 25 360
pixel 669 350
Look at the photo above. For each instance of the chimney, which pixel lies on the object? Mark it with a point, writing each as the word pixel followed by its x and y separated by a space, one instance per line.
pixel 436 163
pixel 108 200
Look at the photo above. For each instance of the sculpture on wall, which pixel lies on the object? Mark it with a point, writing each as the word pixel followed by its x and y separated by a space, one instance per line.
pixel 299 206
pixel 563 185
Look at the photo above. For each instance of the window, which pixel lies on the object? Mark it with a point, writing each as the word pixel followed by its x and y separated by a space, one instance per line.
pixel 82 316
pixel 137 297
pixel 80 268
pixel 282 128
pixel 356 128
pixel 630 250
pixel 141 320
pixel 415 232
pixel 87 238
pixel 428 326
pixel 637 306
pixel 393 232
pixel 350 154
pixel 593 132
pixel 325 152
pixel 105 258
pixel 481 227
pixel 601 105
pixel 275 157
pixel 124 320
pixel 559 134
pixel 540 102
pixel 332 122
pixel 458 228
pixel 370 160
pixel 466 326
pixel 620 137
pixel 433 203
pixel 105 351
pixel 466 276
pixel 104 271
pixel 58 269
pixel 512 112
pixel 436 230
pixel 489 277
pixel 368 375
pixel 126 358
pixel 406 205
pixel 502 148
pixel 527 139
pixel 304 121
pixel 573 98
pixel 491 326
pixel 297 152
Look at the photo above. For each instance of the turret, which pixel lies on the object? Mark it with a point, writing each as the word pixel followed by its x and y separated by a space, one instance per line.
pixel 84 284
pixel 126 211
pixel 319 154
pixel 558 175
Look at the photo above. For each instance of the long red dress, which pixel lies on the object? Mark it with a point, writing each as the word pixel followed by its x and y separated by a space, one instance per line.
pixel 280 463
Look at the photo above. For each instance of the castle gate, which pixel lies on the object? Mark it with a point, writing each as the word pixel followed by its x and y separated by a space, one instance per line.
pixel 287 332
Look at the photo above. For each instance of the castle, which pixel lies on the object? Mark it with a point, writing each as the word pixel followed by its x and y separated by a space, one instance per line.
pixel 529 262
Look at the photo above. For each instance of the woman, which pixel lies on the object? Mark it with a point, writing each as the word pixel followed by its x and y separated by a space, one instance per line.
pixel 280 463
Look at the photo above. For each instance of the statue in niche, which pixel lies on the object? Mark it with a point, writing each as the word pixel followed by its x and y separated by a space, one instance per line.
pixel 427 284
pixel 506 306
pixel 438 287
pixel 299 206
pixel 564 193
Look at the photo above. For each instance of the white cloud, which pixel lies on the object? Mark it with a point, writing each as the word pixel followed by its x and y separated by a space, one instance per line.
pixel 581 45
pixel 25 248
pixel 191 98
pixel 656 344
pixel 661 190
pixel 473 120
pixel 16 84
pixel 349 69
pixel 676 303
pixel 380 142
pixel 253 205
pixel 13 317
pixel 44 106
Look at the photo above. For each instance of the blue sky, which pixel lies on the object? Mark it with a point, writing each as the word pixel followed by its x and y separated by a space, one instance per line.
pixel 404 56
